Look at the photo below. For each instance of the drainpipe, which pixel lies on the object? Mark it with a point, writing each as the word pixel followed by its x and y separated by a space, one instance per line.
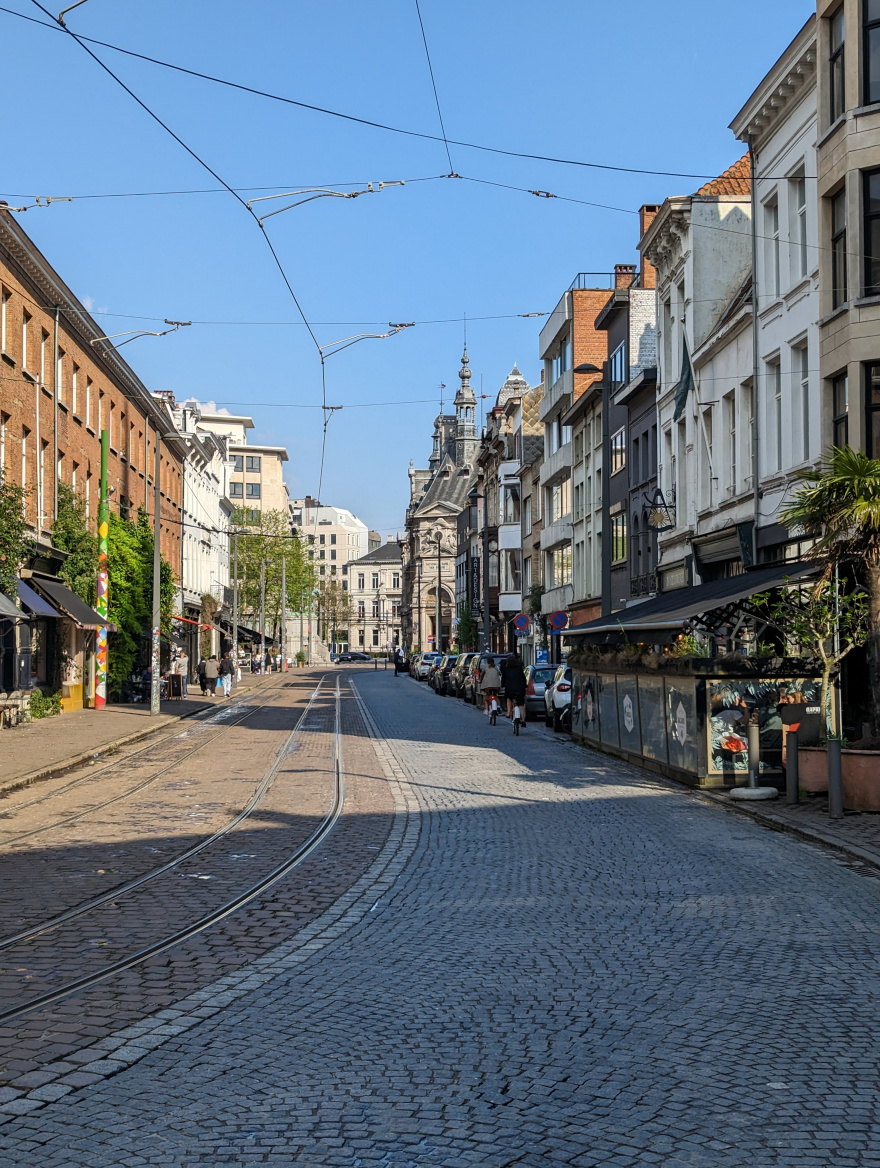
pixel 606 492
pixel 56 388
pixel 755 348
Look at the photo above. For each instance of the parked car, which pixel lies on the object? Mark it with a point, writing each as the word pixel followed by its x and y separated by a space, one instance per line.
pixel 537 679
pixel 341 658
pixel 557 700
pixel 424 664
pixel 440 675
pixel 454 685
pixel 360 657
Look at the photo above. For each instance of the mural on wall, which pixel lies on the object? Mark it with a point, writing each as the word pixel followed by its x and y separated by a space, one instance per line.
pixel 781 706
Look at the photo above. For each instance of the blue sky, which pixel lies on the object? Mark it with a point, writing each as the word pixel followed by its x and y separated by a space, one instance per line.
pixel 634 83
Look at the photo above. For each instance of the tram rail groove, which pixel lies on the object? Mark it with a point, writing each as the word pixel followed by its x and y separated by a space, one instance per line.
pixel 136 882
pixel 255 890
pixel 5 842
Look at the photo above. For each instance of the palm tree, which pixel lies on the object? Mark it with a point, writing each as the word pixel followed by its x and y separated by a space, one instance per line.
pixel 839 506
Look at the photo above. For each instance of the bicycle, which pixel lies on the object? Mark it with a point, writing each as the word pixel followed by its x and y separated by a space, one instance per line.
pixel 518 718
pixel 492 698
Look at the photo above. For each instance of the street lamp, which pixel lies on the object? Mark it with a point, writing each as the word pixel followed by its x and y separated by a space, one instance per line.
pixel 489 547
pixel 437 537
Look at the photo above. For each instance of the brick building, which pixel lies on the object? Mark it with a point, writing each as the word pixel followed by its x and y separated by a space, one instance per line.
pixel 61 383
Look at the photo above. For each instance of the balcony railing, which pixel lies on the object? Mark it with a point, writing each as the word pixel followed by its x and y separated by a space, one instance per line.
pixel 643 585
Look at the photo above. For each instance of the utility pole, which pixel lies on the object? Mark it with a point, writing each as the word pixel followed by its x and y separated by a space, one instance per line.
pixel 157 585
pixel 283 612
pixel 235 603
pixel 262 615
pixel 438 611
pixel 103 601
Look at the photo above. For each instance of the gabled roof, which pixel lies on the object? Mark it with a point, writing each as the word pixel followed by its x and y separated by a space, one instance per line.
pixel 387 553
pixel 735 181
pixel 450 485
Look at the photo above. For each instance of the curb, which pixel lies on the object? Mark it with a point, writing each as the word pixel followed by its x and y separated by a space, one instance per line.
pixel 75 760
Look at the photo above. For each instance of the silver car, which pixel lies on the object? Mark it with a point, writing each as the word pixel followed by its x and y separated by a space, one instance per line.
pixel 426 661
pixel 537 679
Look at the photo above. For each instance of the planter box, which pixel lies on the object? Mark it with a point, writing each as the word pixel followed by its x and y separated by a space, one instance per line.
pixel 813 768
pixel 860 771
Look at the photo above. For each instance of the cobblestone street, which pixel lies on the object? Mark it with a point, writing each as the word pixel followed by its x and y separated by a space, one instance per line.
pixel 509 951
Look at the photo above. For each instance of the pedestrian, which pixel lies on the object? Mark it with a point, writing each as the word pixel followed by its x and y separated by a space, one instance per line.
pixel 226 674
pixel 212 672
pixel 200 671
pixel 513 678
pixel 489 683
pixel 268 662
pixel 180 666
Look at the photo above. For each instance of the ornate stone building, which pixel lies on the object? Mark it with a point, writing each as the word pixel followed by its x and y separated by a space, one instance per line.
pixel 437 496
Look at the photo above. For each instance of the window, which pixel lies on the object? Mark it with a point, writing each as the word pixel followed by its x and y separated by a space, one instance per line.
pixel 771 242
pixel 25 340
pixel 238 463
pixel 872 232
pixel 44 340
pixel 362 611
pixel 395 611
pixel 322 555
pixel 511 511
pixel 252 463
pixel 774 403
pixel 871 51
pixel 560 500
pixel 333 539
pixel 375 637
pixel 635 461
pixel 361 580
pixel 88 494
pixel 838 249
pixel 333 554
pixel 395 579
pixel 527 574
pixel 73 471
pixel 619 366
pixel 511 572
pixel 872 410
pixel 74 401
pixel 4 424
pixel 527 516
pixel 88 401
pixel 559 566
pixel 618 538
pixel 799 257
pixel 801 399
pixel 618 451
pixel 110 427
pixel 730 428
pixel 375 610
pixel 4 309
pixel 25 434
pixel 59 376
pixel 375 579
pixel 707 468
pixel 840 411
pixel 836 65
pixel 236 490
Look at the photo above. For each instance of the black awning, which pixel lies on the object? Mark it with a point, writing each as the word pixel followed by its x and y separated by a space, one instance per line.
pixel 69 604
pixel 8 611
pixel 35 603
pixel 671 610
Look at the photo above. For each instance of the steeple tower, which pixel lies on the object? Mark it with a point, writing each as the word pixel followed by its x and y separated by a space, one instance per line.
pixel 465 419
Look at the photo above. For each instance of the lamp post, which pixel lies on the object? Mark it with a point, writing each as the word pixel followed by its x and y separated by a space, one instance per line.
pixel 437 538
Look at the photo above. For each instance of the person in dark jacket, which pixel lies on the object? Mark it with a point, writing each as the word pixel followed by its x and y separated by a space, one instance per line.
pixel 226 671
pixel 203 681
pixel 513 678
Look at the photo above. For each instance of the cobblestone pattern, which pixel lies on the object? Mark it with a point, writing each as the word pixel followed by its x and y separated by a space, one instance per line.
pixel 52 1045
pixel 577 965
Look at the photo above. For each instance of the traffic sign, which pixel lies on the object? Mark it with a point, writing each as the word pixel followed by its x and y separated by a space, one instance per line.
pixel 558 620
pixel 430 638
pixel 521 621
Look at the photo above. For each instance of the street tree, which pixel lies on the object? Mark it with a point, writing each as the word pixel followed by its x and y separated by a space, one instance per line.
pixel 838 504
pixel 334 610
pixel 264 538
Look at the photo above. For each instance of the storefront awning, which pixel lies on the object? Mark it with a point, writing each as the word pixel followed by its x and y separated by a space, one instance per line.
pixel 671 610
pixel 34 602
pixel 8 611
pixel 69 604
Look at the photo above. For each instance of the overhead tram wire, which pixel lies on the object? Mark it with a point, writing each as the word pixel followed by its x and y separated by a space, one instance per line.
pixel 434 87
pixel 81 42
pixel 54 26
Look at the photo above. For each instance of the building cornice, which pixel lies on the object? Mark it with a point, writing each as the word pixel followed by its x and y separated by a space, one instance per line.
pixel 786 84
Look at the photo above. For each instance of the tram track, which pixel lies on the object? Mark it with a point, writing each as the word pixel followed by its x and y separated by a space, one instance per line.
pixel 249 712
pixel 130 885
pixel 252 892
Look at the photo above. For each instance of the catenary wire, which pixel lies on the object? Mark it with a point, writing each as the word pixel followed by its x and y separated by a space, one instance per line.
pixel 363 121
pixel 434 87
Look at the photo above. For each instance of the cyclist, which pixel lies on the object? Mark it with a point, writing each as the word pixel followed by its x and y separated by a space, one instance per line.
pixel 514 680
pixel 490 683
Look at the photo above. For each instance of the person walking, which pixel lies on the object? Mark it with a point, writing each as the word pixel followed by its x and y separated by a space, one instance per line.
pixel 226 674
pixel 212 672
pixel 200 672
pixel 490 683
pixel 513 678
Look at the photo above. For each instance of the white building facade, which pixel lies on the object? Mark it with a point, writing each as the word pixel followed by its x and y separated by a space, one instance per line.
pixel 333 534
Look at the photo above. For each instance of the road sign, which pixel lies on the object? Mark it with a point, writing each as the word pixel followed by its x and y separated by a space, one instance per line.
pixel 542 656
pixel 430 638
pixel 558 620
pixel 520 632
pixel 521 621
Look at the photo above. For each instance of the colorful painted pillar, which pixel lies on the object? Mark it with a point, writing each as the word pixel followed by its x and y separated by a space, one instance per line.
pixel 102 606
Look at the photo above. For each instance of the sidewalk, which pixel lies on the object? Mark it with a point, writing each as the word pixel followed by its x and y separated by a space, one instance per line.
pixel 38 749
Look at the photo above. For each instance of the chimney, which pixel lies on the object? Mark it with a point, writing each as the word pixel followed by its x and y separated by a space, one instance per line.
pixel 624 275
pixel 647 214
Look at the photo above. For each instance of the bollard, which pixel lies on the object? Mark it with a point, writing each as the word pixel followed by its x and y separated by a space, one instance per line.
pixel 792 775
pixel 835 780
pixel 375 665
pixel 754 751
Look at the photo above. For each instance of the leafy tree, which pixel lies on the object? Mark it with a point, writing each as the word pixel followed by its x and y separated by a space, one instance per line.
pixel 334 609
pixel 265 537
pixel 824 620
pixel 839 505
pixel 71 534
pixel 468 629
pixel 14 541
